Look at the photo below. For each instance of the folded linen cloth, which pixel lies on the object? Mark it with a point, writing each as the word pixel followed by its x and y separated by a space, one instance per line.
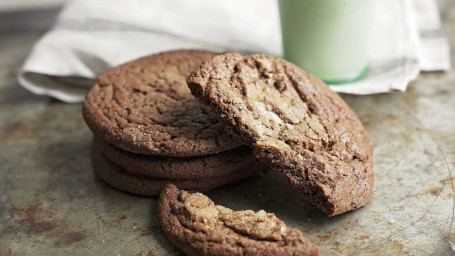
pixel 91 36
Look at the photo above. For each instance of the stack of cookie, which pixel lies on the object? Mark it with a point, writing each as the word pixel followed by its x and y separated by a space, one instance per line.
pixel 149 130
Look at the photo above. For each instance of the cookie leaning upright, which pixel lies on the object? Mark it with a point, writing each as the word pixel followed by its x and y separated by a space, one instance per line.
pixel 144 106
pixel 294 123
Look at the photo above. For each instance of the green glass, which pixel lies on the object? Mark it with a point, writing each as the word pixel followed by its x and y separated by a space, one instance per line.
pixel 328 38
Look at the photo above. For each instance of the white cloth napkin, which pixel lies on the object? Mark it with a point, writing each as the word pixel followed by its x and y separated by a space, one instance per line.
pixel 91 36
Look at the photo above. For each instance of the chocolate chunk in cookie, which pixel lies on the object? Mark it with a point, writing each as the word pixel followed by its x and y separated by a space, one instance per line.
pixel 294 123
pixel 195 225
pixel 145 106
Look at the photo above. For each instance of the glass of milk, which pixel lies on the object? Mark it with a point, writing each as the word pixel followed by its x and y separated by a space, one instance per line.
pixel 328 38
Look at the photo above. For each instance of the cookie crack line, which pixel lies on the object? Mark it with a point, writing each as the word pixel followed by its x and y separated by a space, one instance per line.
pixel 316 142
pixel 196 230
pixel 265 76
pixel 195 225
pixel 314 112
pixel 311 112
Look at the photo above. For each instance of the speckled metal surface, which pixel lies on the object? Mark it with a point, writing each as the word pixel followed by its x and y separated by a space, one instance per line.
pixel 51 204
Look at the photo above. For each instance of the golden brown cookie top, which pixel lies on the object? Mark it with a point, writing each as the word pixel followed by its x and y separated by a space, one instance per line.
pixel 197 226
pixel 295 123
pixel 145 106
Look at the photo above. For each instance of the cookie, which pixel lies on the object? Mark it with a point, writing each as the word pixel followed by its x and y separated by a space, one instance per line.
pixel 294 123
pixel 195 225
pixel 195 167
pixel 116 177
pixel 145 106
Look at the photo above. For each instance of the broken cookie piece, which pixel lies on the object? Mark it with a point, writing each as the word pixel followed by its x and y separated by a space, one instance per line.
pixel 295 123
pixel 195 225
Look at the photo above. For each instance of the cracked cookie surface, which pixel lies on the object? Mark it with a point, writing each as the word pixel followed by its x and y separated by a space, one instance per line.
pixel 294 123
pixel 194 224
pixel 145 106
